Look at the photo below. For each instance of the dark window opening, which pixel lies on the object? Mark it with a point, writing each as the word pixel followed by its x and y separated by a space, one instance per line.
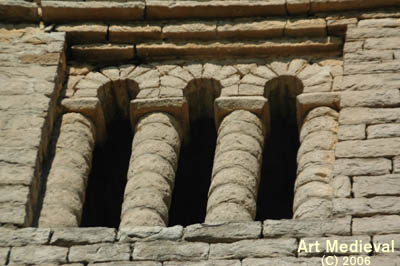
pixel 193 177
pixel 107 180
pixel 278 174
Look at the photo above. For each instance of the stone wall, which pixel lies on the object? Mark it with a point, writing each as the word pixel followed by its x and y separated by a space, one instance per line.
pixel 341 66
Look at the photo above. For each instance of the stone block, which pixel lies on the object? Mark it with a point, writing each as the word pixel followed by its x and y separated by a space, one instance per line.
pixel 360 207
pixel 306 227
pixel 396 164
pixel 24 237
pixel 330 245
pixel 18 10
pixel 362 115
pixel 222 232
pixel 368 148
pixel 246 28
pixel 82 236
pixel 129 33
pixel 106 52
pixel 306 27
pixel 38 255
pixel 341 186
pixel 86 33
pixel 144 233
pixel 370 82
pixel 298 6
pixel 389 43
pixel 13 213
pixel 64 11
pixel 383 131
pixel 351 132
pixel 157 9
pixel 259 248
pixel 374 67
pixel 369 186
pixel 379 225
pixel 370 98
pixel 284 261
pixel 387 239
pixel 123 263
pixel 203 263
pixel 190 30
pixel 169 250
pixel 4 255
pixel 99 253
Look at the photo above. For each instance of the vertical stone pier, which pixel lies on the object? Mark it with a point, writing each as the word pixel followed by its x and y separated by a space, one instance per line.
pixel 70 169
pixel 151 176
pixel 237 168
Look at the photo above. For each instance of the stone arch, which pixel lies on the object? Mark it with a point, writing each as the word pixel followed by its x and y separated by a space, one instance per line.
pixel 298 97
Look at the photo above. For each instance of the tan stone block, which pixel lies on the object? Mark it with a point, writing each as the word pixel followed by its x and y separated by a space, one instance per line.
pixel 368 148
pixel 170 250
pixel 383 131
pixel 228 212
pixel 298 6
pixel 306 27
pixel 259 248
pixel 141 217
pixel 61 11
pixel 190 30
pixel 319 140
pixel 369 186
pixel 363 115
pixel 99 253
pixel 385 224
pixel 314 208
pixel 317 124
pixel 367 166
pixel 388 43
pixel 86 33
pixel 313 173
pixel 38 255
pixel 245 28
pixel 366 206
pixel 352 132
pixel 310 190
pixel 134 32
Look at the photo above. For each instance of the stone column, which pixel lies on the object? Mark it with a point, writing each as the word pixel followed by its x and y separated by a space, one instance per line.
pixel 237 168
pixel 68 176
pixel 152 168
pixel 313 191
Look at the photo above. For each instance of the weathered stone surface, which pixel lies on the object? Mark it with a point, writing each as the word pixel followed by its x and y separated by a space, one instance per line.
pixel 388 224
pixel 351 132
pixel 387 239
pixel 322 250
pixel 130 263
pixel 191 30
pixel 368 148
pixel 204 263
pixel 128 33
pixel 369 186
pixel 254 249
pixel 222 232
pixel 383 131
pixel 144 233
pixel 38 255
pixel 246 28
pixel 314 208
pixel 370 98
pixel 341 186
pixel 306 227
pixel 82 236
pixel 306 27
pixel 369 82
pixel 366 206
pixel 367 166
pixel 99 253
pixel 169 250
pixel 24 237
pixel 4 255
pixel 87 33
pixel 317 124
pixel 59 11
pixel 396 164
pixel 284 261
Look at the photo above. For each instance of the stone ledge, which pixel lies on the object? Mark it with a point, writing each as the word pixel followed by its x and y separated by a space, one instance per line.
pixel 17 10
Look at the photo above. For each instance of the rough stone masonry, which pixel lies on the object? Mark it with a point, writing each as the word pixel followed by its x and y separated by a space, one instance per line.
pixel 68 68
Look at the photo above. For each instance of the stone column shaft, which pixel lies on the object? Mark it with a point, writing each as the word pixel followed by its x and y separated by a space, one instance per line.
pixel 68 176
pixel 315 158
pixel 237 168
pixel 152 168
